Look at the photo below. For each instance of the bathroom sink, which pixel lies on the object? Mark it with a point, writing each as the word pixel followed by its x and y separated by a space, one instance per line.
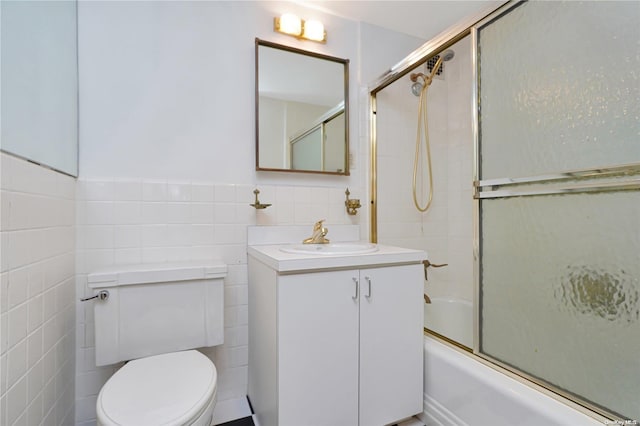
pixel 331 248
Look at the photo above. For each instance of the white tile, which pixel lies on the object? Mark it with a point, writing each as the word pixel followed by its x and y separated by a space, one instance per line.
pixel 127 236
pixel 128 190
pixel 89 384
pixel 16 401
pixel 227 234
pixel 16 363
pixel 179 192
pixel 225 193
pixel 154 254
pixel 127 256
pixel 179 235
pixel 154 191
pixel 36 279
pixel 99 213
pixel 127 213
pixel 244 194
pixel 18 286
pixel 34 410
pixel 4 292
pixel 17 323
pixel 178 212
pixel 202 235
pixel 86 409
pixel 202 192
pixel 3 375
pixel 178 254
pixel 98 237
pixel 202 213
pixel 34 381
pixel 224 213
pixel 153 213
pixel 34 347
pixel 35 313
pixel 154 235
pixel 96 190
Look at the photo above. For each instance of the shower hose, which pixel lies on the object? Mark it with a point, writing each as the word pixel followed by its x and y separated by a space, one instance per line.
pixel 423 125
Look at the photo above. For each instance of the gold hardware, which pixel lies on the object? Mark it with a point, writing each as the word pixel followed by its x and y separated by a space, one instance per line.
pixel 426 264
pixel 318 236
pixel 426 298
pixel 257 204
pixel 352 205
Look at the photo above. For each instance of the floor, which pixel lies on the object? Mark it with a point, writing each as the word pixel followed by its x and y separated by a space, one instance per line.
pixel 245 421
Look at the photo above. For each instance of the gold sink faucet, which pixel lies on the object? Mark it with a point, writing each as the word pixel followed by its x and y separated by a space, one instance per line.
pixel 318 236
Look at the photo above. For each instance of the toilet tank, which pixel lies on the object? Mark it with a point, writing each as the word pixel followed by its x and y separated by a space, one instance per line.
pixel 157 308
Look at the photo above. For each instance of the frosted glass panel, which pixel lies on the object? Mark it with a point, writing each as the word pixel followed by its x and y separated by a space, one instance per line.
pixel 39 82
pixel 560 88
pixel 561 292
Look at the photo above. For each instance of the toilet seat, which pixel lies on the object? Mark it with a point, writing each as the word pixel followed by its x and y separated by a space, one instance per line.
pixel 169 389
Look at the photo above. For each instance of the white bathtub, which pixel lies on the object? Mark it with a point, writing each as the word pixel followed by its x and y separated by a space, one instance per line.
pixel 452 318
pixel 459 390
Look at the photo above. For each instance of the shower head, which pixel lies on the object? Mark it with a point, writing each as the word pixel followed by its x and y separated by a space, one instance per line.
pixel 447 55
pixel 416 88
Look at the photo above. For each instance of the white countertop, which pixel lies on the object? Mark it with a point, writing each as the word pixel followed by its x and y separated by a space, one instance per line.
pixel 272 256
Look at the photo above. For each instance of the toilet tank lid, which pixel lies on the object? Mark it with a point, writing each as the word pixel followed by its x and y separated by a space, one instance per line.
pixel 119 275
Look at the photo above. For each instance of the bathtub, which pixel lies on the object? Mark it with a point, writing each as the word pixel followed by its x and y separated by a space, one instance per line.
pixel 460 390
pixel 452 318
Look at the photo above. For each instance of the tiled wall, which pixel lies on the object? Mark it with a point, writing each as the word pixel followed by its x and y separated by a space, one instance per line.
pixel 134 221
pixel 36 295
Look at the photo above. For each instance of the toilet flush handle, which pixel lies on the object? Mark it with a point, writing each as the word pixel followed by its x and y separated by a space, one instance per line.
pixel 102 295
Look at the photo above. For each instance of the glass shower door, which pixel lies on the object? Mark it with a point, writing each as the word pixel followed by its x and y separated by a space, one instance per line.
pixel 559 198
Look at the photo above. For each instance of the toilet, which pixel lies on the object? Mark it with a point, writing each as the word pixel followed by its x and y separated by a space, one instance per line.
pixel 153 317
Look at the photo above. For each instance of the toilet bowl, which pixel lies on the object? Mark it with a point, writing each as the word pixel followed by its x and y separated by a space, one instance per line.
pixel 173 389
pixel 154 316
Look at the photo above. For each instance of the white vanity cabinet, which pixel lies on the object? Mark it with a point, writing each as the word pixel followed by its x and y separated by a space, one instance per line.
pixel 335 346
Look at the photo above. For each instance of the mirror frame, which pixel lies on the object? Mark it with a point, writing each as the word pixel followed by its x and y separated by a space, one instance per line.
pixel 344 62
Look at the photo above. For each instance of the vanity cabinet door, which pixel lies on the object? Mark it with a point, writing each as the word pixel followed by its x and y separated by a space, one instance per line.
pixel 318 349
pixel 391 343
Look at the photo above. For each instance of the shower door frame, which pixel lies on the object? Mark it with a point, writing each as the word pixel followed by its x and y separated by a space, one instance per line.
pixel 496 188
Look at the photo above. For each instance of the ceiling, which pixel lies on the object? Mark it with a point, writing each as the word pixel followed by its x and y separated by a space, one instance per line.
pixel 423 19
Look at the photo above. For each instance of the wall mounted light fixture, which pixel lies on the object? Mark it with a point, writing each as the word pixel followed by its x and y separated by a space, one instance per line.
pixel 292 25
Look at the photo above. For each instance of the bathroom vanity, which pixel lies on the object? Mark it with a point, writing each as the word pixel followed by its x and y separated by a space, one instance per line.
pixel 335 334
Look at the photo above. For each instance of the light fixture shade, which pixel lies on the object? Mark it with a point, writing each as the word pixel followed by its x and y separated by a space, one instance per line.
pixel 314 30
pixel 289 23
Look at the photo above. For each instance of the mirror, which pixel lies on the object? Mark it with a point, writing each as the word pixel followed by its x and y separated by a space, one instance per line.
pixel 302 103
pixel 39 82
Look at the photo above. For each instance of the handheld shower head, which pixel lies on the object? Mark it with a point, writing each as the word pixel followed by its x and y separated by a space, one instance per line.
pixel 447 55
pixel 416 88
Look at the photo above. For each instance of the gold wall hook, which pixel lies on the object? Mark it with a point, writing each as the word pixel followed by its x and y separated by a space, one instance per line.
pixel 352 205
pixel 257 204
